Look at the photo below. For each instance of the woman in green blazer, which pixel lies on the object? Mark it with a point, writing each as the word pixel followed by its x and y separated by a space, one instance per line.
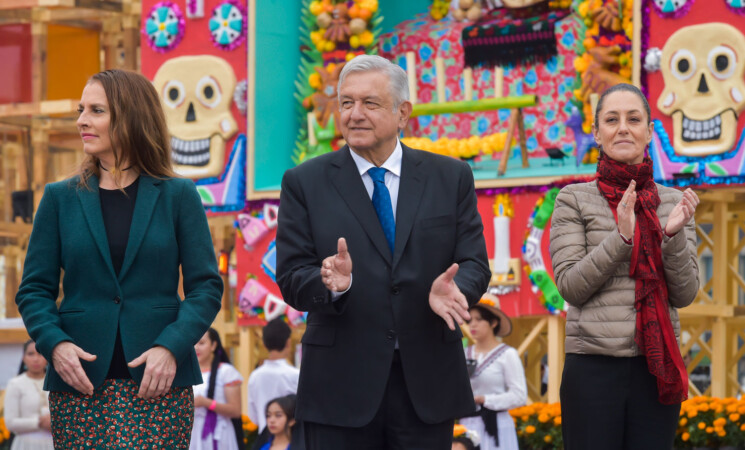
pixel 121 344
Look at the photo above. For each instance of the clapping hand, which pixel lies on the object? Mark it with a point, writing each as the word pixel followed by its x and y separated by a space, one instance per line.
pixel 446 300
pixel 66 358
pixel 336 270
pixel 682 212
pixel 625 212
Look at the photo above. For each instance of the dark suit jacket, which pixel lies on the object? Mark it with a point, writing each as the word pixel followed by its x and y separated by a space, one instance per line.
pixel 169 228
pixel 348 344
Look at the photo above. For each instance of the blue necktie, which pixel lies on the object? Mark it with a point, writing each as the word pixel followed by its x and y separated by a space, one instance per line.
pixel 381 200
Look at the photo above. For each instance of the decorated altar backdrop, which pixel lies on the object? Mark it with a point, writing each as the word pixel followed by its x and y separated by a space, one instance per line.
pixel 195 51
pixel 551 82
pixel 695 61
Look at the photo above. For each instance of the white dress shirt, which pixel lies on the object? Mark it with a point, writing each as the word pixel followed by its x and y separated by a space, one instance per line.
pixel 275 378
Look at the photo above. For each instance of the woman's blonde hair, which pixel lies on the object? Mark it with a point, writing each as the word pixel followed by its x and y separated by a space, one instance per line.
pixel 138 129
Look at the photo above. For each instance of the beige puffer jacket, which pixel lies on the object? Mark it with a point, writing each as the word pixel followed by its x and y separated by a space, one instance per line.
pixel 591 266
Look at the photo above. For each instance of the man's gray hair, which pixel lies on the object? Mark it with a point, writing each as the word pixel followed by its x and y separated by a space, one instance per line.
pixel 373 63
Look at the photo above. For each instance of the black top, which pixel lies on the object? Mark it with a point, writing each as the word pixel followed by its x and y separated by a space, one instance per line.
pixel 118 208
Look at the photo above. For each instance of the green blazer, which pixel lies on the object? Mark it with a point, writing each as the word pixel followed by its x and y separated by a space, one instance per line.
pixel 169 229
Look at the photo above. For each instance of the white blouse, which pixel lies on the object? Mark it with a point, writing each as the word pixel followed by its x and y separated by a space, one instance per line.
pixel 502 383
pixel 25 401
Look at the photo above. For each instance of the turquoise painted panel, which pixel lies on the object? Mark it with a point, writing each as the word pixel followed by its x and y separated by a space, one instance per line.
pixel 277 58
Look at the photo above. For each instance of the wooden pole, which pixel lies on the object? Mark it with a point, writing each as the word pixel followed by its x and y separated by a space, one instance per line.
pixel 523 141
pixel 440 79
pixel 507 143
pixel 411 76
pixel 467 84
pixel 498 82
pixel 555 356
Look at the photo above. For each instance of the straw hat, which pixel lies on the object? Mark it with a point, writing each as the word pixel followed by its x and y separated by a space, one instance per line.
pixel 490 303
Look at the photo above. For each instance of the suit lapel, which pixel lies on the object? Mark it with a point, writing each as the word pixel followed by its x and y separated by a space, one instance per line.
pixel 346 179
pixel 91 204
pixel 410 191
pixel 147 197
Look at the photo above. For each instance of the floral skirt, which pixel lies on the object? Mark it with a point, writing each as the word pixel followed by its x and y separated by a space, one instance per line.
pixel 114 417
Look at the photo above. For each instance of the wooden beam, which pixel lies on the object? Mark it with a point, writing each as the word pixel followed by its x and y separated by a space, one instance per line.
pixel 531 336
pixel 715 310
pixel 719 358
pixel 21 4
pixel 38 108
pixel 13 336
pixel 556 332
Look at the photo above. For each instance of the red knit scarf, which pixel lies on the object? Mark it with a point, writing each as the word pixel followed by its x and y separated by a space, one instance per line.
pixel 654 329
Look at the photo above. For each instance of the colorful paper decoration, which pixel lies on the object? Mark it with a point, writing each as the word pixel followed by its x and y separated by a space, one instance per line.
pixel 194 9
pixel 273 307
pixel 240 96
pixel 541 281
pixel 228 25
pixel 164 27
pixel 294 316
pixel 271 213
pixel 269 261
pixel 252 297
pixel 736 6
pixel 672 9
pixel 252 229
pixel 228 191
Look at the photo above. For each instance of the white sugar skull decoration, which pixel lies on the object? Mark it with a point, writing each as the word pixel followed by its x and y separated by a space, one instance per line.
pixel 703 68
pixel 196 92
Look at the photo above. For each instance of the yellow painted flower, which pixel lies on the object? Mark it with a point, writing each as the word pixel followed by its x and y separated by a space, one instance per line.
pixel 354 41
pixel 329 46
pixel 366 38
pixel 350 56
pixel 314 80
pixel 315 8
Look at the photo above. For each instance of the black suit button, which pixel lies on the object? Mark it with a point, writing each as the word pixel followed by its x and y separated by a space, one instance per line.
pixel 391 334
pixel 117 300
pixel 395 290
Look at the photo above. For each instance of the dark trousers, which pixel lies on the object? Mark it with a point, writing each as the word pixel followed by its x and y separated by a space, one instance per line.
pixel 611 403
pixel 395 425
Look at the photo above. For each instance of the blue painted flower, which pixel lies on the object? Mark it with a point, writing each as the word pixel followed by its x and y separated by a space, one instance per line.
pixel 552 65
pixel 519 87
pixel 532 143
pixel 394 40
pixel 424 121
pixel 387 46
pixel 550 114
pixel 531 78
pixel 445 46
pixel 425 53
pixel 426 77
pixel 401 60
pixel 553 132
pixel 530 120
pixel 504 114
pixel 483 125
pixel 568 39
pixel 227 26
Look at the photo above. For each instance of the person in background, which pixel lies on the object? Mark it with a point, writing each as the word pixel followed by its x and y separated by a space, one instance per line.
pixel 623 250
pixel 128 232
pixel 275 377
pixel 217 400
pixel 27 404
pixel 497 376
pixel 465 439
pixel 280 420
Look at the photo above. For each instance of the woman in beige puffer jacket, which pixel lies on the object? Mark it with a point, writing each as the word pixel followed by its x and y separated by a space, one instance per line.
pixel 610 400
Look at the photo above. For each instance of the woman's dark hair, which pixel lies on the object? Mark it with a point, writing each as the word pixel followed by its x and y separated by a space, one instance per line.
pixel 489 317
pixel 622 87
pixel 23 367
pixel 138 129
pixel 287 405
pixel 220 356
pixel 467 443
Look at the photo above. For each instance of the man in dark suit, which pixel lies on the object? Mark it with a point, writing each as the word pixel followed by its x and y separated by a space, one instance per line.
pixel 383 365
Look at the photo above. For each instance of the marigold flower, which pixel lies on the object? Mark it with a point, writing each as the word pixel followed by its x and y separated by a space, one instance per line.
pixel 543 418
pixel 547 438
pixel 709 430
pixel 720 422
pixel 530 429
pixel 557 421
pixel 692 413
pixel 685 436
pixel 683 421
pixel 742 427
pixel 721 433
pixel 701 425
pixel 734 417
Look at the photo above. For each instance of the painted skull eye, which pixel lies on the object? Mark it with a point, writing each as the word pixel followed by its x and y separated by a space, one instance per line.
pixel 722 62
pixel 683 64
pixel 174 93
pixel 208 92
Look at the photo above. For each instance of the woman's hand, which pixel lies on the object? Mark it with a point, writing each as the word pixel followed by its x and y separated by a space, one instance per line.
pixel 66 358
pixel 682 212
pixel 45 422
pixel 479 399
pixel 201 401
pixel 625 212
pixel 160 370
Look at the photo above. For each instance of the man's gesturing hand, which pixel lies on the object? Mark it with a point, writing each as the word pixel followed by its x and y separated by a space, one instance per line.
pixel 446 300
pixel 336 271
